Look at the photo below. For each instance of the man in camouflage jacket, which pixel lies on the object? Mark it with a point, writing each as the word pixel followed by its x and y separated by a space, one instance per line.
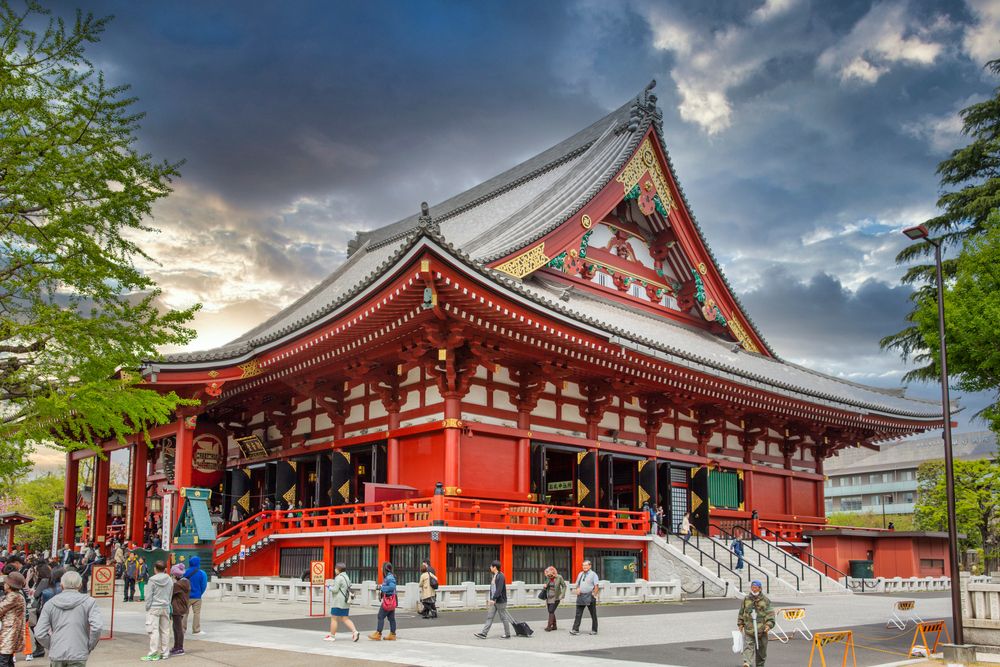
pixel 765 621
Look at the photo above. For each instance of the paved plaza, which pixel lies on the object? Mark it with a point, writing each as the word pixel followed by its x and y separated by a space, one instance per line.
pixel 691 634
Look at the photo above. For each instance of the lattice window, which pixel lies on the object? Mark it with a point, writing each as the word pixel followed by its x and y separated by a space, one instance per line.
pixel 471 562
pixel 530 562
pixel 294 562
pixel 362 562
pixel 406 560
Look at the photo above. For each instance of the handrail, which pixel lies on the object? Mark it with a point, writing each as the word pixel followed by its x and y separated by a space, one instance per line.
pixel 411 512
pixel 798 578
pixel 720 566
pixel 777 539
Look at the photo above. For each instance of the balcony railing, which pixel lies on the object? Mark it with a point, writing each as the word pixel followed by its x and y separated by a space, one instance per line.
pixel 257 531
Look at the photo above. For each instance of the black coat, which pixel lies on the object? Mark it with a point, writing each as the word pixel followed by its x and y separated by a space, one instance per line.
pixel 499 587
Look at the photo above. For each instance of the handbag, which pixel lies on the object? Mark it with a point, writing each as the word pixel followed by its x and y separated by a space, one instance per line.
pixel 584 599
pixel 389 602
pixel 543 594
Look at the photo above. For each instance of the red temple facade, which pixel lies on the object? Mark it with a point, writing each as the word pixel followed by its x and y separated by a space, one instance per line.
pixel 509 374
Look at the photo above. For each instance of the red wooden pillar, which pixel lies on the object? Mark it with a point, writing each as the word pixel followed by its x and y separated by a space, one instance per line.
pixel 102 479
pixel 182 455
pixel 439 557
pixel 577 563
pixel 507 556
pixel 392 449
pixel 383 555
pixel 70 500
pixel 523 456
pixel 788 494
pixel 452 437
pixel 137 516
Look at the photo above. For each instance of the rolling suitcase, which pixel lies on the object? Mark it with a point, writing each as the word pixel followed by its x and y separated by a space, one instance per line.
pixel 522 629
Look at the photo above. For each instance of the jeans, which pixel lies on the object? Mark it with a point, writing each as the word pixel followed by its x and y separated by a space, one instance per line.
pixel 391 615
pixel 129 588
pixel 579 616
pixel 498 608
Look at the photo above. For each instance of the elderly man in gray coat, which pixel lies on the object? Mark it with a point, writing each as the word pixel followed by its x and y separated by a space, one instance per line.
pixel 70 624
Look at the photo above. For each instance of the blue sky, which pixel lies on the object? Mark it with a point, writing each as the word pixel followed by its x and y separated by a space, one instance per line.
pixel 806 135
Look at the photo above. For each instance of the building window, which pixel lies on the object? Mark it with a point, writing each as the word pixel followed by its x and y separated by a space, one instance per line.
pixel 850 503
pixel 361 562
pixel 471 562
pixel 530 563
pixel 724 489
pixel 406 560
pixel 909 497
pixel 295 561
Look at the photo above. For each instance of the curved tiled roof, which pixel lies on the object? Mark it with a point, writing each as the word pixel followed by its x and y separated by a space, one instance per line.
pixel 519 206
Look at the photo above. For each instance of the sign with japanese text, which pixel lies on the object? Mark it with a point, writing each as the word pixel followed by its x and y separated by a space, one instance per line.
pixel 317 572
pixel 102 581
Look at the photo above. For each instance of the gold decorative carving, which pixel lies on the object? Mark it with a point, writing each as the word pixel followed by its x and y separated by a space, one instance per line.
pixel 586 222
pixel 645 160
pixel 451 423
pixel 250 369
pixel 213 374
pixel 702 269
pixel 741 335
pixel 452 490
pixel 526 262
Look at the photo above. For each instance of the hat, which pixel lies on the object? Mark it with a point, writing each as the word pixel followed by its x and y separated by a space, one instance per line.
pixel 15 580
pixel 756 582
pixel 177 570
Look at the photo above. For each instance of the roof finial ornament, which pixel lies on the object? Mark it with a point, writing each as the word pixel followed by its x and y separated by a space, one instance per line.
pixel 426 221
pixel 645 107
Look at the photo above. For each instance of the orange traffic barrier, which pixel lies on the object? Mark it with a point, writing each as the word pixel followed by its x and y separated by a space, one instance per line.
pixel 937 627
pixel 821 639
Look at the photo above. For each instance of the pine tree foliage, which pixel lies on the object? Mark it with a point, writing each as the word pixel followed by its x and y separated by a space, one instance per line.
pixel 970 180
pixel 76 314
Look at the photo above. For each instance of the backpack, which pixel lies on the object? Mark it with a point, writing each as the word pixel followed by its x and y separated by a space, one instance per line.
pixel 434 581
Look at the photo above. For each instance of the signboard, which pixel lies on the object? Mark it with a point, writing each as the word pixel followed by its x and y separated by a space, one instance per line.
pixel 166 521
pixel 102 581
pixel 317 572
pixel 560 486
pixel 55 530
pixel 243 553
pixel 252 447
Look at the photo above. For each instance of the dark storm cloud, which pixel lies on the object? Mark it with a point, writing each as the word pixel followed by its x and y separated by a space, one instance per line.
pixel 806 134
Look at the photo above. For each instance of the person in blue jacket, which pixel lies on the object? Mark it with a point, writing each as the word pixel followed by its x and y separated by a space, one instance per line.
pixel 388 607
pixel 199 582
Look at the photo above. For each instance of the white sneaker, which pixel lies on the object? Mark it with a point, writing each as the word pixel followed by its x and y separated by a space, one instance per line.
pixel 329 638
pixel 199 633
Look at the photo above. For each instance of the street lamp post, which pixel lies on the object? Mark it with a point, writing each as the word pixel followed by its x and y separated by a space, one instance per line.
pixel 920 233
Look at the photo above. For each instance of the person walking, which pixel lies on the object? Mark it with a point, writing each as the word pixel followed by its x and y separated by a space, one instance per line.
pixel 649 511
pixel 12 618
pixel 555 590
pixel 685 529
pixel 737 548
pixel 588 591
pixel 131 569
pixel 199 582
pixel 179 607
pixel 158 606
pixel 387 592
pixel 141 577
pixel 340 603
pixel 428 596
pixel 70 623
pixel 43 580
pixel 755 614
pixel 497 603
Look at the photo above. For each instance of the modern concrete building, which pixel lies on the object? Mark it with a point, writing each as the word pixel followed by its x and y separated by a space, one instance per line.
pixel 862 480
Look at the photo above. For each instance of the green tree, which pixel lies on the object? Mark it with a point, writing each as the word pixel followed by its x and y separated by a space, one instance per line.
pixel 972 309
pixel 977 502
pixel 35 498
pixel 76 314
pixel 970 182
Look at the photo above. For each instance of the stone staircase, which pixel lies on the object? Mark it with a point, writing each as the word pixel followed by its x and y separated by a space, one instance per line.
pixel 782 573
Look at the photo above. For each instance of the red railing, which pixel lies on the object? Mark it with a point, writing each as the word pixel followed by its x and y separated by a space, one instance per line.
pixel 438 510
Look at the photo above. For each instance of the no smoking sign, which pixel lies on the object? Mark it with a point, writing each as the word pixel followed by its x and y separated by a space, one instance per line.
pixel 317 571
pixel 102 582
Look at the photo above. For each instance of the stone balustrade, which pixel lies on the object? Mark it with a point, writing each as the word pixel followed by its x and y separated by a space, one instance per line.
pixel 449 597
pixel 903 584
pixel 980 609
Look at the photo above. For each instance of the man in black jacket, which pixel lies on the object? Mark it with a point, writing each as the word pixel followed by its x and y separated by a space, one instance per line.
pixel 497 603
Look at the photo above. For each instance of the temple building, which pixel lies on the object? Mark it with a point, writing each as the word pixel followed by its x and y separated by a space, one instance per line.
pixel 509 374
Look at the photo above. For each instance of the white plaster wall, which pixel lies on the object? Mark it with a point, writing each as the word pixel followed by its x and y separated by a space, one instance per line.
pixel 410 400
pixel 304 406
pixel 376 409
pixel 323 421
pixel 302 426
pixel 546 408
pixel 476 396
pixel 572 390
pixel 433 395
pixel 501 400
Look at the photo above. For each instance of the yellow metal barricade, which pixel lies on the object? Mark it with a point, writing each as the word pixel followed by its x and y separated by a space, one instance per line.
pixel 794 615
pixel 926 627
pixel 822 639
pixel 903 611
